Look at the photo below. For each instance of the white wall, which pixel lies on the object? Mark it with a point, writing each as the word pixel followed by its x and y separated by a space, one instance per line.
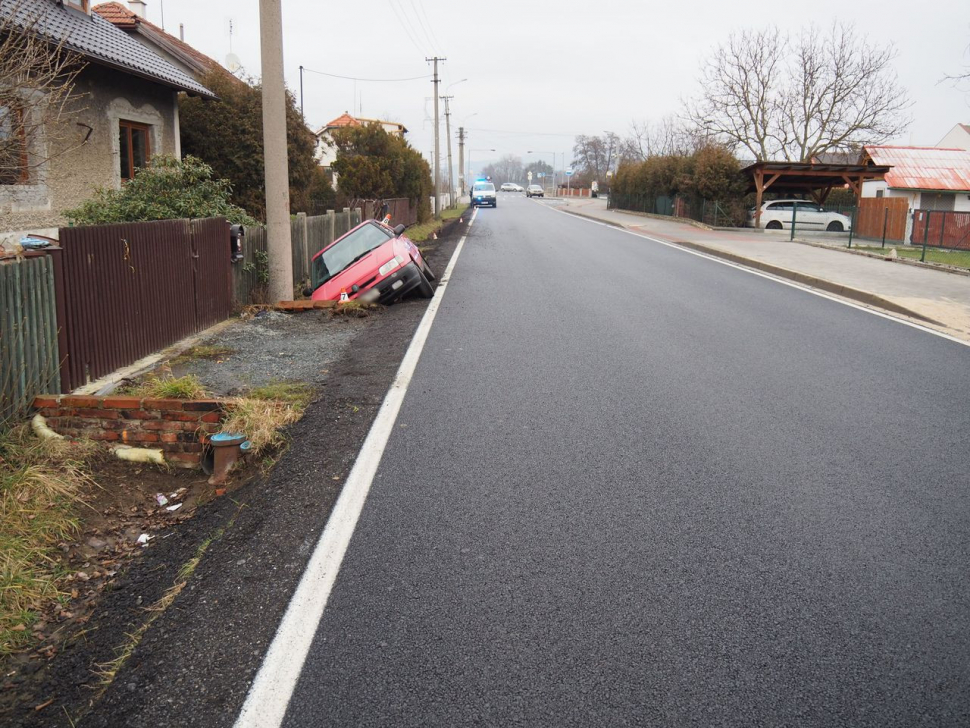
pixel 956 138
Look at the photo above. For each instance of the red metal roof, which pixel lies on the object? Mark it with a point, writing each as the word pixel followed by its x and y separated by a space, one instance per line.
pixel 923 168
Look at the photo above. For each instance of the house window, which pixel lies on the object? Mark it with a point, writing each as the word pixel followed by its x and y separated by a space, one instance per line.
pixel 82 5
pixel 879 193
pixel 13 147
pixel 135 147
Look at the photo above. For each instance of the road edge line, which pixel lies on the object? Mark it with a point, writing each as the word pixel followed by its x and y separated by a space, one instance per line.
pixel 270 692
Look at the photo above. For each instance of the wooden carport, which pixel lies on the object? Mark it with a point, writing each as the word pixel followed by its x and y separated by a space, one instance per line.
pixel 805 178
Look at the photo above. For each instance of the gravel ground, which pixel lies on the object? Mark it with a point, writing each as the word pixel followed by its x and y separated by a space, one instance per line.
pixel 273 347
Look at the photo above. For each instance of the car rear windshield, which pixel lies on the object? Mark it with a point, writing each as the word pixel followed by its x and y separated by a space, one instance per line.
pixel 484 187
pixel 347 251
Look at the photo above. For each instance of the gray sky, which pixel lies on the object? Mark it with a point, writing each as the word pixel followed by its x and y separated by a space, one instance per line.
pixel 540 72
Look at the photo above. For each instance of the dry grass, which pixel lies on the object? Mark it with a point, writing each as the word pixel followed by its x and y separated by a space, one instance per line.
pixel 262 421
pixel 40 483
pixel 298 394
pixel 354 309
pixel 167 387
pixel 203 351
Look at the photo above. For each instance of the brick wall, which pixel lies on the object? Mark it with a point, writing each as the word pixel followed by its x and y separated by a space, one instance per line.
pixel 179 427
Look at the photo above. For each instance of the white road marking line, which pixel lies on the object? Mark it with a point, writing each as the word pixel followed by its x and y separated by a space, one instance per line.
pixel 273 686
pixel 770 277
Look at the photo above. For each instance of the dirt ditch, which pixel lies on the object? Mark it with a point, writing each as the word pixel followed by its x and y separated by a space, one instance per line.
pixel 118 587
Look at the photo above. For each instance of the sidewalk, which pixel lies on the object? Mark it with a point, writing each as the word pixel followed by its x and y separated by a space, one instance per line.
pixel 937 298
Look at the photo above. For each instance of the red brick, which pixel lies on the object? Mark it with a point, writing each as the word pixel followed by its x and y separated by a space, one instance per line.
pixel 46 401
pixel 49 412
pixel 102 435
pixel 195 447
pixel 212 417
pixel 121 402
pixel 161 426
pixel 141 436
pixel 162 404
pixel 138 414
pixel 168 437
pixel 108 424
pixel 100 414
pixel 181 416
pixel 76 400
pixel 202 405
pixel 211 429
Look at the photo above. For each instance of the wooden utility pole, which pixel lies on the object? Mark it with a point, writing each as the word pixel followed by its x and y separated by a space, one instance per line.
pixel 279 245
pixel 437 154
pixel 451 175
pixel 461 161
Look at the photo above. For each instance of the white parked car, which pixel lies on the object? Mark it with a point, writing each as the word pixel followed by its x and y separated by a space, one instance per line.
pixel 777 214
pixel 508 187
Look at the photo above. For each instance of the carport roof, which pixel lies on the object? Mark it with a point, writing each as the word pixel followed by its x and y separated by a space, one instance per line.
pixel 805 177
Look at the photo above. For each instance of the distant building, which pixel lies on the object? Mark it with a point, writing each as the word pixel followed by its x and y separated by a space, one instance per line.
pixel 326 153
pixel 929 178
pixel 957 138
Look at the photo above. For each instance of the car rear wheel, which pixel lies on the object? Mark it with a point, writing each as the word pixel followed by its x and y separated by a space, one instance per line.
pixel 835 227
pixel 424 288
pixel 773 225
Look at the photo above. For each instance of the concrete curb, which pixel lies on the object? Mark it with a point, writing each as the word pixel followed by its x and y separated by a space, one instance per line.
pixel 856 294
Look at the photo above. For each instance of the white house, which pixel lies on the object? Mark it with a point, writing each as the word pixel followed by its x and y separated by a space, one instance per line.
pixel 957 138
pixel 326 153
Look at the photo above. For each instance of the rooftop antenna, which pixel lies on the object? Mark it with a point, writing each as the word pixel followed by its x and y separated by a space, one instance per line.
pixel 232 60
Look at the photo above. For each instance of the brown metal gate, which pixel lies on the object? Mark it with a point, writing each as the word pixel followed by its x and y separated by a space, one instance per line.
pixel 135 288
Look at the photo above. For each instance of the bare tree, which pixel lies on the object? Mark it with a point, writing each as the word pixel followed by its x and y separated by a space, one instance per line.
pixel 37 95
pixel 594 156
pixel 778 99
pixel 506 169
pixel 666 137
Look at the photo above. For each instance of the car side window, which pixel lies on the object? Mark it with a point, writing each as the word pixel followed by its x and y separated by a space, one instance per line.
pixel 779 206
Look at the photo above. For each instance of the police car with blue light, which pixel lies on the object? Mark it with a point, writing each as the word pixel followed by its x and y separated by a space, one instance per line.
pixel 483 193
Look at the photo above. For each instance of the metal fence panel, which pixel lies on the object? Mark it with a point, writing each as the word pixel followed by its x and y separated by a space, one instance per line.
pixel 29 354
pixel 941 229
pixel 132 289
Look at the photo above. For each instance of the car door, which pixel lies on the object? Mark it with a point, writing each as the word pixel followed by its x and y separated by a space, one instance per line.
pixel 777 212
pixel 809 215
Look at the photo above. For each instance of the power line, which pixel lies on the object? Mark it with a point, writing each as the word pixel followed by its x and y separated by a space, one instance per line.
pixel 370 80
pixel 406 23
pixel 520 133
pixel 402 21
pixel 434 36
pixel 421 25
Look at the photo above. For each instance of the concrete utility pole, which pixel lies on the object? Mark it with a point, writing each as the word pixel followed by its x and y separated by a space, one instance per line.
pixel 279 246
pixel 437 154
pixel 451 175
pixel 461 161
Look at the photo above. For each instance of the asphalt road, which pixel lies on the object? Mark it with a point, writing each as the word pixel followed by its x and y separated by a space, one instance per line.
pixel 632 486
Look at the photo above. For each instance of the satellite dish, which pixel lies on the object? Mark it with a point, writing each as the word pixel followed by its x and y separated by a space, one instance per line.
pixel 233 63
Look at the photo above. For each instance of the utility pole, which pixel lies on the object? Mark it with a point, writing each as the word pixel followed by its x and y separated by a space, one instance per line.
pixel 279 246
pixel 461 161
pixel 437 154
pixel 451 175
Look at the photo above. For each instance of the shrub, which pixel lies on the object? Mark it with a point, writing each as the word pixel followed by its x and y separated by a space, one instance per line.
pixel 167 189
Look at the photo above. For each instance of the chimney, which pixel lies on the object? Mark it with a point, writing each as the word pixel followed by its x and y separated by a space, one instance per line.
pixel 137 7
pixel 182 32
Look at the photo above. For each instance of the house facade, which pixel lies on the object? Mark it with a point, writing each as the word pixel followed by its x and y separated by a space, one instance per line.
pixel 929 178
pixel 957 138
pixel 122 110
pixel 326 152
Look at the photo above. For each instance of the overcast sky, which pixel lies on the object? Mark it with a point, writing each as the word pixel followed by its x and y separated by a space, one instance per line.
pixel 539 73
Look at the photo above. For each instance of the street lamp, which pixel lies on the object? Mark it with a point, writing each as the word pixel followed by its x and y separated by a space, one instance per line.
pixel 553 167
pixel 470 158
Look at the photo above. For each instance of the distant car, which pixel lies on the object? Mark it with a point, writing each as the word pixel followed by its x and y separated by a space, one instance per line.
pixel 372 263
pixel 534 191
pixel 776 215
pixel 508 187
pixel 483 193
pixel 518 188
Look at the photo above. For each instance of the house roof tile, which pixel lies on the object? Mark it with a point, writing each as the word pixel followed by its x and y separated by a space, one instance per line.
pixel 923 168
pixel 97 40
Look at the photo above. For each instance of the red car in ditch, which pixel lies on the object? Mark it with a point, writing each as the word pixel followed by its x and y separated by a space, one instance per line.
pixel 373 263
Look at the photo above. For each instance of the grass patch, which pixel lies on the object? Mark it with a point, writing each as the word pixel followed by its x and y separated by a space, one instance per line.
pixel 40 483
pixel 203 352
pixel 957 258
pixel 262 420
pixel 420 233
pixel 298 394
pixel 354 309
pixel 187 387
